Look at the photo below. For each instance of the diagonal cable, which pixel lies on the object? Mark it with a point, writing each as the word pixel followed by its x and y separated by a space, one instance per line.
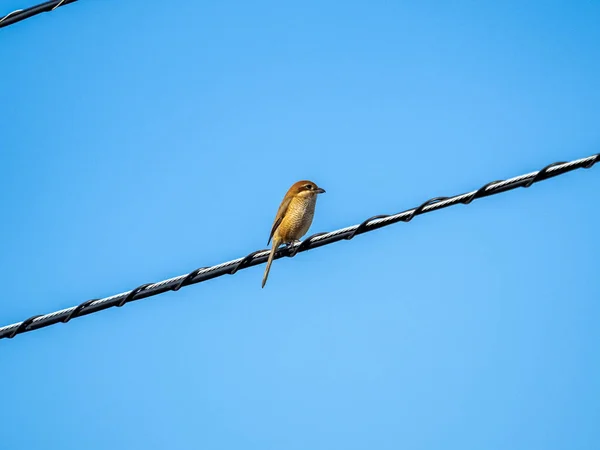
pixel 316 240
pixel 22 14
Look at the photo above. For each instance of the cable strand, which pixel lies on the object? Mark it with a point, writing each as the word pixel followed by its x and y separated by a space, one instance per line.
pixel 22 14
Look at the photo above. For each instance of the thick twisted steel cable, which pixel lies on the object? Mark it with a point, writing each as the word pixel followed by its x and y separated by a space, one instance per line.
pixel 316 240
pixel 22 14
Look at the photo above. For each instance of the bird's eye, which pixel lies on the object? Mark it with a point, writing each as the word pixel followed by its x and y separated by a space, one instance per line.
pixel 308 187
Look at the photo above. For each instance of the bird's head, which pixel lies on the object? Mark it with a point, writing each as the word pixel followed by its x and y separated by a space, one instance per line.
pixel 305 188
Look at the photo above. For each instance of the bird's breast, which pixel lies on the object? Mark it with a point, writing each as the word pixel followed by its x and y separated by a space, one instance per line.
pixel 297 219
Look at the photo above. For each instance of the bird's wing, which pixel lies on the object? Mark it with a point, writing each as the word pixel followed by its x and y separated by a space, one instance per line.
pixel 280 215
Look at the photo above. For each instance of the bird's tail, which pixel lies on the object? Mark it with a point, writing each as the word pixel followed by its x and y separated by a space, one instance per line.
pixel 276 244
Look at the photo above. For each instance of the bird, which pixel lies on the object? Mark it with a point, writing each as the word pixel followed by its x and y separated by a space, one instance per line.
pixel 294 217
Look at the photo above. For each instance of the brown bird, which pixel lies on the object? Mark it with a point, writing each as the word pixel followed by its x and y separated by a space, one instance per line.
pixel 293 218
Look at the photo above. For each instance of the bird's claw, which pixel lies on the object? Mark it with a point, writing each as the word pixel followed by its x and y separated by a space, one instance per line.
pixel 290 245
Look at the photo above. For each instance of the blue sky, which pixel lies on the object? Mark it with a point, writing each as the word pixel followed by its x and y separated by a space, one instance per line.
pixel 141 140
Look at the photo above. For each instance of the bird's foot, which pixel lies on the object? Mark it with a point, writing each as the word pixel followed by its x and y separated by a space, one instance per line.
pixel 290 245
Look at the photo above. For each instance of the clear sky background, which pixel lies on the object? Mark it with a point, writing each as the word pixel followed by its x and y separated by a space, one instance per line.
pixel 141 140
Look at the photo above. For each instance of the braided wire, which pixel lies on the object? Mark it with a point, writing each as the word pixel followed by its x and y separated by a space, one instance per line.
pixel 22 14
pixel 313 241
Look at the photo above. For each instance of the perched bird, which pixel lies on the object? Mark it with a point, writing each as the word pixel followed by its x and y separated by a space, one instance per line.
pixel 293 218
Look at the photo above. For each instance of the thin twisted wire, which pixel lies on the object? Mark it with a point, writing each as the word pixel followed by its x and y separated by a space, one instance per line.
pixel 316 240
pixel 10 14
pixel 22 14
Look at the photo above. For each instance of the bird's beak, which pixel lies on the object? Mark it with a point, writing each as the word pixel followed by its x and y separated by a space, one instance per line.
pixel 320 190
